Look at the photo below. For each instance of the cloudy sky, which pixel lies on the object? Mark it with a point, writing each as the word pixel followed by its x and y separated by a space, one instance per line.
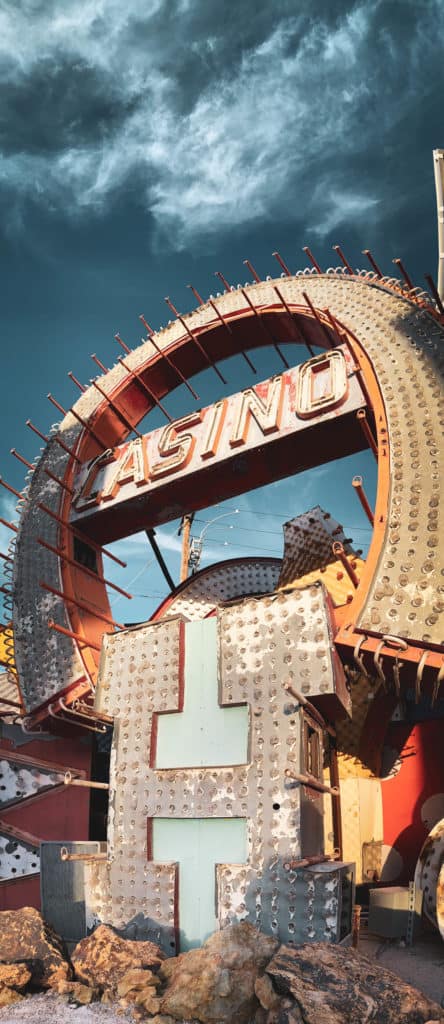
pixel 147 144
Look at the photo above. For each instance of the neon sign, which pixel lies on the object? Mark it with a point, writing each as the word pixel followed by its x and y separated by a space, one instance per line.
pixel 222 436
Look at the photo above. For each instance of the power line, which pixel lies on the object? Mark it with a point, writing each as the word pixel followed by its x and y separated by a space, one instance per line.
pixel 274 532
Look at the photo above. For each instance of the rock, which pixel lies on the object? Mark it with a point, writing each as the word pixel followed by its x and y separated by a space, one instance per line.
pixel 336 984
pixel 139 986
pixel 288 1013
pixel 25 938
pixel 103 958
pixel 79 993
pixel 216 983
pixel 147 998
pixel 266 994
pixel 162 1018
pixel 8 996
pixel 14 976
pixel 137 979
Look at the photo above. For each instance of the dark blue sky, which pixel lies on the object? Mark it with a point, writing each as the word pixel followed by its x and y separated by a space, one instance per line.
pixel 145 145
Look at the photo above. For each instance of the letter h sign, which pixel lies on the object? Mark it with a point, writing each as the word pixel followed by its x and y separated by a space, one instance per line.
pixel 202 818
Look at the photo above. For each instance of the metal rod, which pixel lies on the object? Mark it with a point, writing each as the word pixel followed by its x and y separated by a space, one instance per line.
pixel 438 167
pixel 74 636
pixel 253 272
pixel 196 294
pixel 265 328
pixel 356 365
pixel 7 558
pixel 304 337
pixel 80 420
pixel 69 780
pixel 151 534
pixel 278 257
pixel 10 703
pixel 81 724
pixel 361 415
pixel 335 800
pixel 316 858
pixel 307 704
pixel 122 344
pixel 434 291
pixel 80 604
pixel 10 526
pixel 83 568
pixel 120 415
pixel 313 262
pixel 356 925
pixel 57 480
pixel 309 780
pixel 404 273
pixel 223 279
pixel 338 550
pixel 22 459
pixel 81 536
pixel 291 316
pixel 79 708
pixel 335 326
pixel 64 855
pixel 98 363
pixel 344 261
pixel 318 318
pixel 139 380
pixel 227 326
pixel 357 484
pixel 11 489
pixel 195 340
pixel 75 381
pixel 164 355
pixel 56 438
pixel 372 261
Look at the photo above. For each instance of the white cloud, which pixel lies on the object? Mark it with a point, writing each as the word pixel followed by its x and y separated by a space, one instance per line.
pixel 250 138
pixel 336 208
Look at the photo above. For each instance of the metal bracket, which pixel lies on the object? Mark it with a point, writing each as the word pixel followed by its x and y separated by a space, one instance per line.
pixel 411 913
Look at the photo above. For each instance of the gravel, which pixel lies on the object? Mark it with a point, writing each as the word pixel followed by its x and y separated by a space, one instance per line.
pixel 48 1008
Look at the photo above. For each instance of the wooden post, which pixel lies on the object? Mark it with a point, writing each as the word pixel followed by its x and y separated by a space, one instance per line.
pixel 185 530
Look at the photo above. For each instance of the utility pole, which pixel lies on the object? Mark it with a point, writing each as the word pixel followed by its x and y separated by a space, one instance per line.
pixel 185 530
pixel 438 162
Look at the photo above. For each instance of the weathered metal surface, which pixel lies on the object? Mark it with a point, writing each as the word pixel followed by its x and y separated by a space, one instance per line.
pixel 19 781
pixel 17 857
pixel 363 831
pixel 205 591
pixel 308 544
pixel 428 874
pixel 260 642
pixel 9 692
pixel 404 344
pixel 147 481
pixel 440 901
pixel 320 901
pixel 62 886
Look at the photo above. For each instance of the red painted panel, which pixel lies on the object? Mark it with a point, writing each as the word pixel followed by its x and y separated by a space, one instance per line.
pixel 407 821
pixel 59 814
pixel 22 892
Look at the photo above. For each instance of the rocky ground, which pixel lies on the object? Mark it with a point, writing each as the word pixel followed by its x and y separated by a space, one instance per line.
pixel 239 976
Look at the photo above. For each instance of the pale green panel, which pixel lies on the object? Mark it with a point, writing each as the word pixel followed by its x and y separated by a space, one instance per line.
pixel 203 734
pixel 198 844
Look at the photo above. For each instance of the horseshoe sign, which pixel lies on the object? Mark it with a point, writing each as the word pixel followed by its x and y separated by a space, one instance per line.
pixel 373 382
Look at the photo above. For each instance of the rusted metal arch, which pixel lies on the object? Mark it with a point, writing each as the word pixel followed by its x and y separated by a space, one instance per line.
pixel 151 364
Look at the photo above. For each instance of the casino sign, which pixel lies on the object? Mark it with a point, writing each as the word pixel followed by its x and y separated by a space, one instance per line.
pixel 223 706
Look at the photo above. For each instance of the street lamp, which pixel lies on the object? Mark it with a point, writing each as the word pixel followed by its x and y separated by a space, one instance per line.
pixel 196 544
